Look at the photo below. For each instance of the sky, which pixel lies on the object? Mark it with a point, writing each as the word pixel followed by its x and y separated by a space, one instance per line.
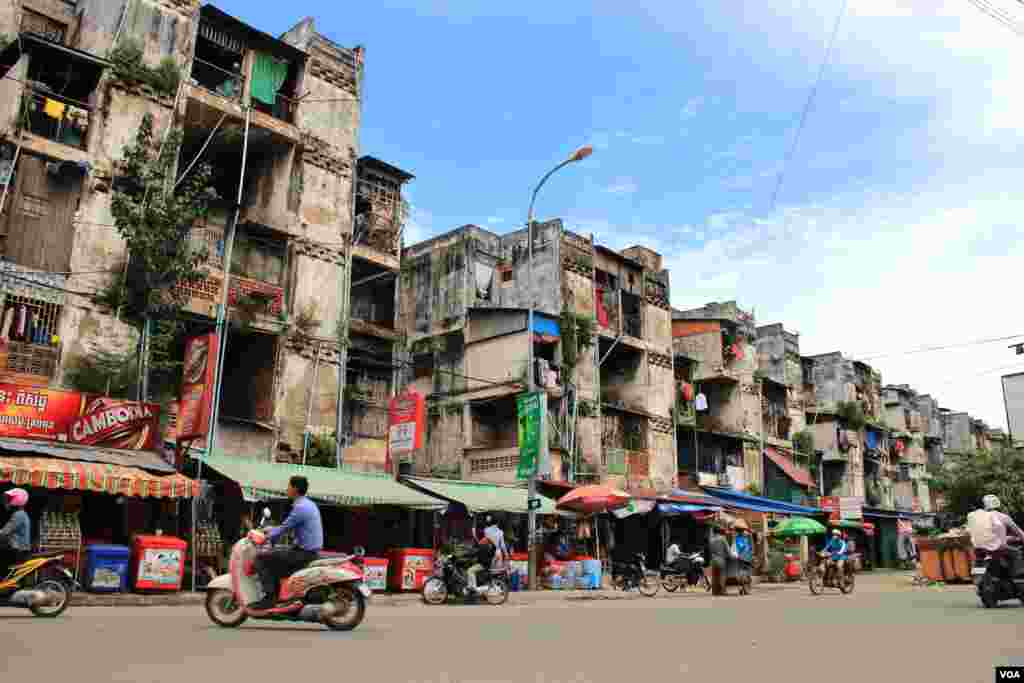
pixel 895 226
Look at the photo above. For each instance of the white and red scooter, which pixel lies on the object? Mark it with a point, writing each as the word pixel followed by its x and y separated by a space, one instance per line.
pixel 329 591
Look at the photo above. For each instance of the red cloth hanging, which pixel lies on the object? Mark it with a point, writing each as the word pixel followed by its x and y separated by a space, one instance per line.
pixel 602 313
pixel 737 352
pixel 686 391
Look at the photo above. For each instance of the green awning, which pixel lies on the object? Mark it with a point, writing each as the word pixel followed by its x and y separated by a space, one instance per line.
pixel 260 479
pixel 481 497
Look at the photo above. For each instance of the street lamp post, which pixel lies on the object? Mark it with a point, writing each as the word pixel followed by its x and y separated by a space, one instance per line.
pixel 579 155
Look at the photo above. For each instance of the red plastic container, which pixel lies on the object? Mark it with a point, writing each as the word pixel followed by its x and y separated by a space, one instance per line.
pixel 376 571
pixel 409 568
pixel 158 563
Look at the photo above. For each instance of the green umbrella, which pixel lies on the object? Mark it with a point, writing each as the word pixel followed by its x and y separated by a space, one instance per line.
pixel 847 524
pixel 798 526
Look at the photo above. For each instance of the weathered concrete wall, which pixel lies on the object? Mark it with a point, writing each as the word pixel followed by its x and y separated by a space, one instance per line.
pixel 499 359
pixel 658 328
pixel 246 441
pixel 700 345
pixel 163 29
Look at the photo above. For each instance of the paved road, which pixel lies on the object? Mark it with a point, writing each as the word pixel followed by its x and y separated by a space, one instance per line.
pixel 885 631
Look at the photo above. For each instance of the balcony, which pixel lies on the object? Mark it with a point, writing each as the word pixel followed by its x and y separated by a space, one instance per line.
pixel 57 118
pixel 29 364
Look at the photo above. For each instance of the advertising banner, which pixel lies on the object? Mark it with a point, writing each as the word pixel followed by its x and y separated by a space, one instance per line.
pixel 406 419
pixel 531 410
pixel 76 418
pixel 198 376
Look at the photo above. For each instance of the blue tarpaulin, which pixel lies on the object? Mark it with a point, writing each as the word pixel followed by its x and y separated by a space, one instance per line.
pixel 543 324
pixel 871 439
pixel 683 508
pixel 759 504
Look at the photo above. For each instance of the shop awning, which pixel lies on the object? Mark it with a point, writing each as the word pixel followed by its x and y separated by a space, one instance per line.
pixel 70 475
pixel 798 474
pixel 480 496
pixel 745 501
pixel 338 487
pixel 684 508
pixel 145 460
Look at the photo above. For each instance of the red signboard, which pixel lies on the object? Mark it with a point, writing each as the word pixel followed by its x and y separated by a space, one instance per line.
pixel 76 418
pixel 830 504
pixel 406 417
pixel 198 376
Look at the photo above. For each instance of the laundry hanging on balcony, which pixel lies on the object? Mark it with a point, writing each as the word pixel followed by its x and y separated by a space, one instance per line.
pixel 268 75
pixel 700 403
pixel 602 312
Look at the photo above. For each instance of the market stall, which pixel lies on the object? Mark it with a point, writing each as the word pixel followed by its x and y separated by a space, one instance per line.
pixel 371 511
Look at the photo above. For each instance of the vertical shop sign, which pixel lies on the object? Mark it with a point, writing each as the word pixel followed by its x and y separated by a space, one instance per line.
pixel 531 410
pixel 197 380
pixel 405 425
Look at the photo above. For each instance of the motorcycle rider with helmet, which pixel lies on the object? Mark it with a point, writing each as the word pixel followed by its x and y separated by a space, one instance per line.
pixel 16 534
pixel 484 556
pixel 1000 524
pixel 836 549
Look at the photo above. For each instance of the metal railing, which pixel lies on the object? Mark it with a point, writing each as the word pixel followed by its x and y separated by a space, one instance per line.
pixel 218 80
pixel 283 108
pixel 56 118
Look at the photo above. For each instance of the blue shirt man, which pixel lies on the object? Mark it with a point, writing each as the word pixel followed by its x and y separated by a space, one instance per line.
pixel 836 547
pixel 306 525
pixel 744 549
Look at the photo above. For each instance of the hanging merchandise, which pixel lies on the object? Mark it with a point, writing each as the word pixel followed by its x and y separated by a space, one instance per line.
pixel 54 109
pixel 737 352
pixel 900 445
pixel 701 402
pixel 686 391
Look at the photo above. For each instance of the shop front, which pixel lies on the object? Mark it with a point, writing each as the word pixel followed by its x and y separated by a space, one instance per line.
pixel 359 509
pixel 88 501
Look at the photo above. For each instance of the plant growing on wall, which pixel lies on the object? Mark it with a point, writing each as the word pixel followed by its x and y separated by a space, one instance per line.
pixel 577 335
pixel 127 65
pixel 851 414
pixel 308 319
pixel 803 442
pixel 155 222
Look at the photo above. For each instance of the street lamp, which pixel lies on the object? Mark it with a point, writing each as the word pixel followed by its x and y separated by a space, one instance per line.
pixel 579 155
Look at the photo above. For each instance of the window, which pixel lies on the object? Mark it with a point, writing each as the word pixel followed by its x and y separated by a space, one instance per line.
pixel 423 365
pixel 507 274
pixel 258 259
pixel 58 100
pixel 29 327
pixel 217 65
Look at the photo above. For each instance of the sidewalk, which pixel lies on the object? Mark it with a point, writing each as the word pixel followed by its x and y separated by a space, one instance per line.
pixel 186 598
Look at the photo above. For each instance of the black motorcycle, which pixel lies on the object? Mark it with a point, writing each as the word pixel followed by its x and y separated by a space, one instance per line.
pixel 450 579
pixel 633 574
pixel 1003 578
pixel 687 571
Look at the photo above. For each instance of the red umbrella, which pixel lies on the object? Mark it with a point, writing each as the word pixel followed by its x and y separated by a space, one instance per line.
pixel 593 499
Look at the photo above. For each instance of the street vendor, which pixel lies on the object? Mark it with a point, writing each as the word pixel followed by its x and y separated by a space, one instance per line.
pixel 744 546
pixel 720 550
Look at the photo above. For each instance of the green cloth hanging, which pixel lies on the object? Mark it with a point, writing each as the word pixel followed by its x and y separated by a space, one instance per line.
pixel 268 75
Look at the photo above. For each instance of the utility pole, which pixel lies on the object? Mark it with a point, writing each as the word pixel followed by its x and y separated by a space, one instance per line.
pixel 579 155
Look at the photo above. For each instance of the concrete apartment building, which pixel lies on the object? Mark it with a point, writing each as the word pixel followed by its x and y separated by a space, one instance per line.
pixel 601 340
pixel 715 351
pixel 904 418
pixel 293 104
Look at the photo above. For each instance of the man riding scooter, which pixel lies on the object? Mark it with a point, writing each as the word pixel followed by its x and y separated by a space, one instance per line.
pixel 836 550
pixel 307 527
pixel 990 527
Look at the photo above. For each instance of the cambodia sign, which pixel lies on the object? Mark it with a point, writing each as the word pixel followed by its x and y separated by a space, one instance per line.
pixel 75 418
pixel 197 380
pixel 405 424
pixel 532 411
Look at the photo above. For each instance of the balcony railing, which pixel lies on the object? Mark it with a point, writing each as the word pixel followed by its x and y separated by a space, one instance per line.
pixel 218 80
pixel 283 108
pixel 31 360
pixel 56 118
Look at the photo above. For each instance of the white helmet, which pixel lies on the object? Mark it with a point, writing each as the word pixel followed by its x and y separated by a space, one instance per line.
pixel 990 502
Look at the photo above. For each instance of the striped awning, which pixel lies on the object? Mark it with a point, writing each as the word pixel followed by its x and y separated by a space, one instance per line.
pixel 70 475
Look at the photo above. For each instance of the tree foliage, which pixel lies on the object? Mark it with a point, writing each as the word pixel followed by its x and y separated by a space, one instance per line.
pixel 155 219
pixel 965 479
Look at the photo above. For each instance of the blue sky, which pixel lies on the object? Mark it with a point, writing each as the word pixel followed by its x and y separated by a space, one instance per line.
pixel 897 225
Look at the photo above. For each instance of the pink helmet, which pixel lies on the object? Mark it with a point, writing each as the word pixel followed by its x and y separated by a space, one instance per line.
pixel 16 497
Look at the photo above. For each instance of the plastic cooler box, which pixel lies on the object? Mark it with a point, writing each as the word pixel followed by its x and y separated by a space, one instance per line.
pixel 106 568
pixel 158 563
pixel 519 569
pixel 409 568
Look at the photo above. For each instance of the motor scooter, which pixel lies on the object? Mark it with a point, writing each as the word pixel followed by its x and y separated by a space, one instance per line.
pixel 1002 577
pixel 330 591
pixel 41 584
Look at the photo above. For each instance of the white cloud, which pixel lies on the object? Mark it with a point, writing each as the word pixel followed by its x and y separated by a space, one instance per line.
pixel 622 186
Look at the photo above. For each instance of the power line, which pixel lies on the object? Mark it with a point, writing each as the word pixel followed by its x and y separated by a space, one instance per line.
pixel 807 107
pixel 998 15
pixel 928 349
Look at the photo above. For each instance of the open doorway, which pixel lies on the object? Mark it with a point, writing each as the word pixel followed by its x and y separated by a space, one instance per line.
pixel 248 386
